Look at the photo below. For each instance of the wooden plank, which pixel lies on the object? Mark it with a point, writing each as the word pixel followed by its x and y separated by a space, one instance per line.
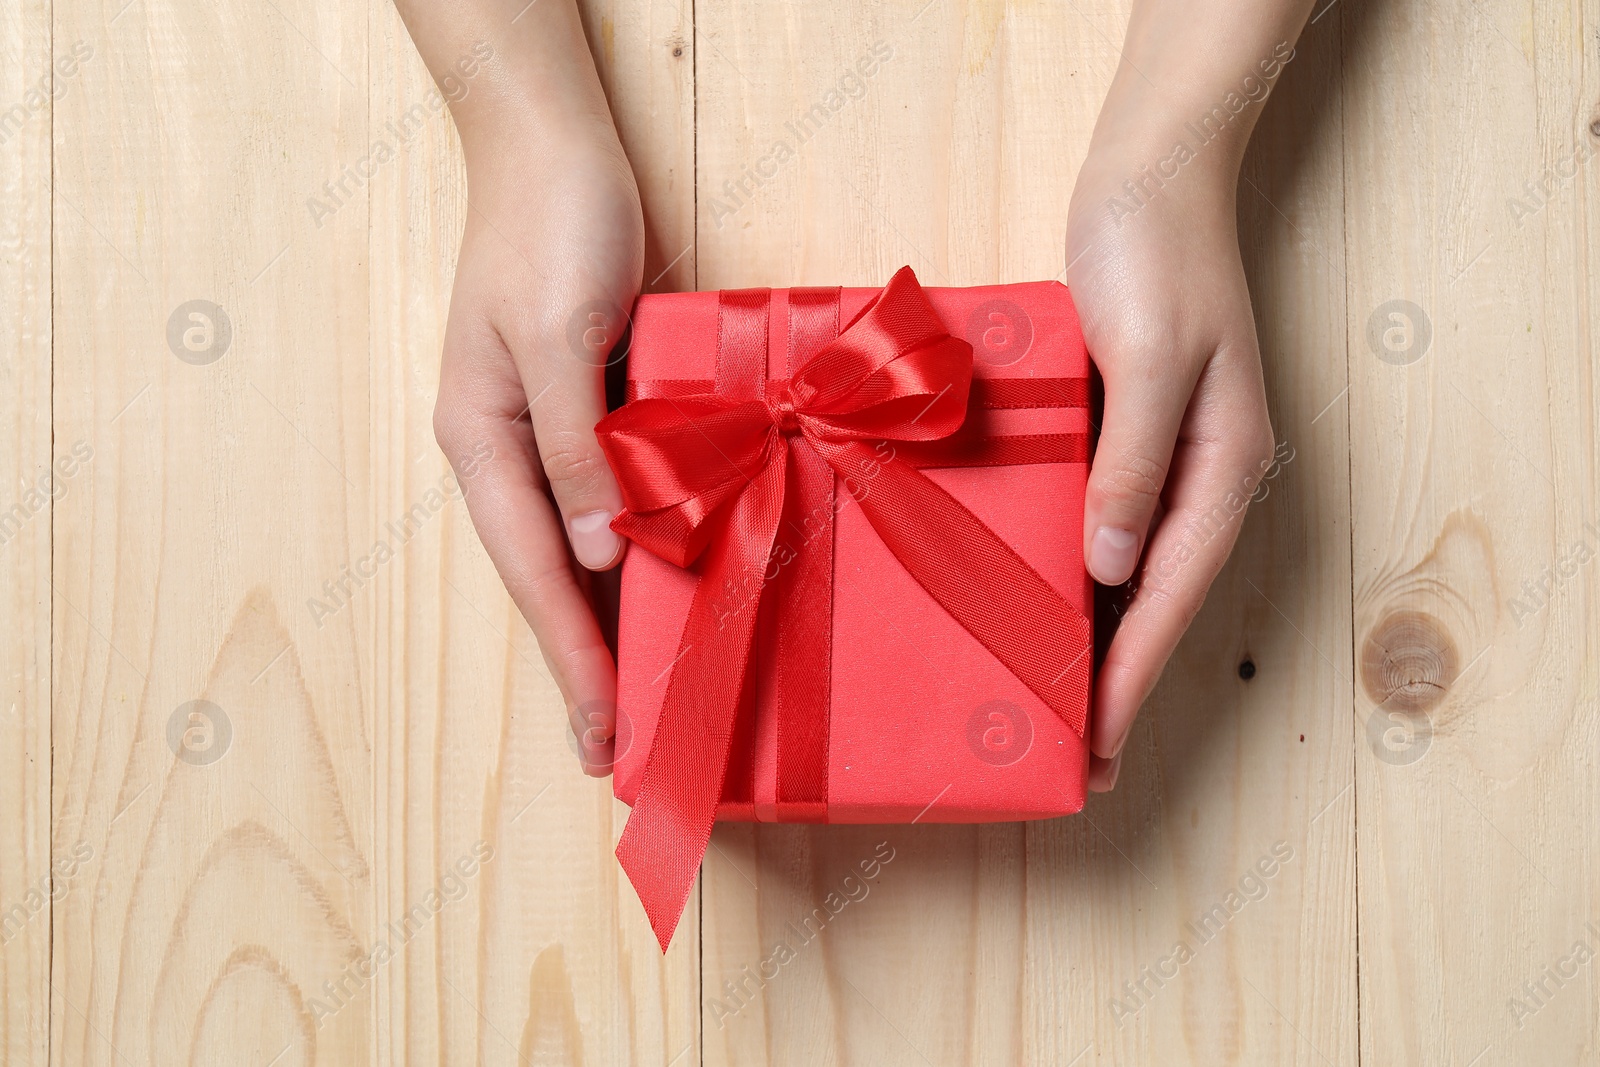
pixel 213 737
pixel 1252 764
pixel 1210 900
pixel 1011 944
pixel 372 733
pixel 1473 415
pixel 29 83
pixel 548 957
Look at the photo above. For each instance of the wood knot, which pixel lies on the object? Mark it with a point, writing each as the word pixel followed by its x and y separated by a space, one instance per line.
pixel 1408 662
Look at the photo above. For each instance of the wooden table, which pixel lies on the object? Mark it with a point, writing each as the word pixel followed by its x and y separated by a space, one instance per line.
pixel 227 248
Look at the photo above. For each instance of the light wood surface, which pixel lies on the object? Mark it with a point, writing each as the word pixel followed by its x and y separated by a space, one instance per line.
pixel 1478 467
pixel 371 844
pixel 27 466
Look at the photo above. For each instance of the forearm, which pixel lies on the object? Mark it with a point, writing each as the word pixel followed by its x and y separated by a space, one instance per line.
pixel 1196 74
pixel 533 81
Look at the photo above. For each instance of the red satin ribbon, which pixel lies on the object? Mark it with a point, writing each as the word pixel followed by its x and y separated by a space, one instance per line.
pixel 708 477
pixel 989 393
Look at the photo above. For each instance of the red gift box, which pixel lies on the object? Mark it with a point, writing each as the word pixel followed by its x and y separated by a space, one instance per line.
pixel 905 637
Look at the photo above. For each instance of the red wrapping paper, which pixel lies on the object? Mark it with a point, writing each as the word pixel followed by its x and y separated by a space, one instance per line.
pixel 924 724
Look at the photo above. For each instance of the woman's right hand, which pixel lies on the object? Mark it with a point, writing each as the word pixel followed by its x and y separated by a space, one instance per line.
pixel 550 263
pixel 552 256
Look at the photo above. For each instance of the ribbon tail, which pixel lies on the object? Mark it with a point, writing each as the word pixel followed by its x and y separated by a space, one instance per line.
pixel 670 825
pixel 989 589
pixel 804 661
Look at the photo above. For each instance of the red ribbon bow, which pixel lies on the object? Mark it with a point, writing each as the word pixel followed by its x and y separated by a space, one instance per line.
pixel 707 479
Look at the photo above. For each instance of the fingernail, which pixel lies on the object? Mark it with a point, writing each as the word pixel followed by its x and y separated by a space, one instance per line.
pixel 593 541
pixel 1112 554
pixel 1116 768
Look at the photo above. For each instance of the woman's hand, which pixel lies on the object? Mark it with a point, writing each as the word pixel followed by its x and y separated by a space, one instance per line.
pixel 552 255
pixel 1153 265
pixel 1185 440
pixel 550 262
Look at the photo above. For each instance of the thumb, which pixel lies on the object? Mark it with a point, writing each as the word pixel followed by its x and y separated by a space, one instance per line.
pixel 564 377
pixel 580 479
pixel 1143 412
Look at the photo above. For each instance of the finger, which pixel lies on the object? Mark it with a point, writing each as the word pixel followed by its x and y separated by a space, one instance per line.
pixel 584 487
pixel 1219 462
pixel 477 422
pixel 1144 407
pixel 564 376
pixel 1103 773
pixel 593 728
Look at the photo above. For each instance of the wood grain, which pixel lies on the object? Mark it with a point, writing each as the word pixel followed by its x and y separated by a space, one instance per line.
pixel 369 843
pixel 1474 529
pixel 548 958
pixel 233 884
pixel 1012 944
pixel 29 84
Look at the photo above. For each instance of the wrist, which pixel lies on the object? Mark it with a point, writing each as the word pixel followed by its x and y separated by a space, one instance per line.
pixel 522 141
pixel 1135 132
pixel 1198 120
pixel 1165 162
pixel 538 96
pixel 531 117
